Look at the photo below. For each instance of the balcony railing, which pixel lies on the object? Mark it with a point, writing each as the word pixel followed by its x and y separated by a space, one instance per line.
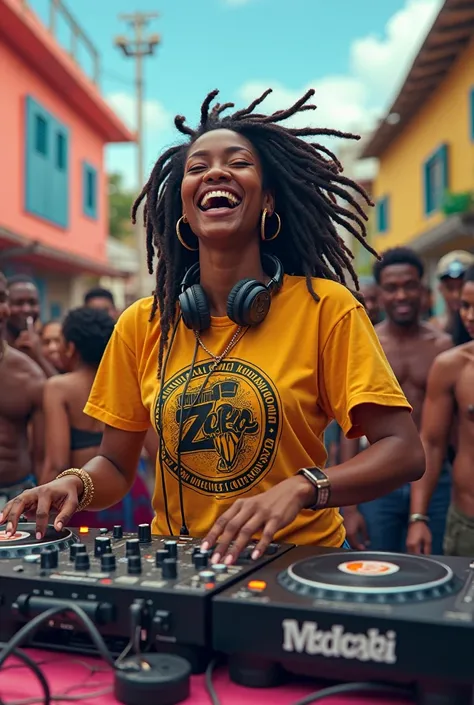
pixel 77 40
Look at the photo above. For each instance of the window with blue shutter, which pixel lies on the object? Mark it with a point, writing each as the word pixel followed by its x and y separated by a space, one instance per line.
pixel 47 165
pixel 89 190
pixel 382 214
pixel 435 180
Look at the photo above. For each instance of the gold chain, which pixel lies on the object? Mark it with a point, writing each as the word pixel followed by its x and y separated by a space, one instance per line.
pixel 218 358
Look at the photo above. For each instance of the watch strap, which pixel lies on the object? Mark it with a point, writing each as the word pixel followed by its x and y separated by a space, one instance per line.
pixel 321 484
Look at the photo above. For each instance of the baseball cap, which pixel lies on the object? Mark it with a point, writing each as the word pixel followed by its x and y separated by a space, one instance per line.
pixel 454 264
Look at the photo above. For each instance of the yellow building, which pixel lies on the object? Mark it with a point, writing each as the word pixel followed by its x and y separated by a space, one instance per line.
pixel 425 146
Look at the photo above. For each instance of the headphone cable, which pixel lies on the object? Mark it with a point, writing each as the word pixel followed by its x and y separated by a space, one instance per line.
pixel 184 529
pixel 160 426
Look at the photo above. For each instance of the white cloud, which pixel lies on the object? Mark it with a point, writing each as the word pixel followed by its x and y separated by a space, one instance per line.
pixel 377 66
pixel 383 62
pixel 155 115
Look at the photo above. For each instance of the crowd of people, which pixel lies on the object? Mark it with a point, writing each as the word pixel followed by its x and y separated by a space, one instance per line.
pixel 229 375
pixel 46 373
pixel 431 359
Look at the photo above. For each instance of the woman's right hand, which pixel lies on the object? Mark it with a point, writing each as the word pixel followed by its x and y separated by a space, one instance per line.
pixel 59 496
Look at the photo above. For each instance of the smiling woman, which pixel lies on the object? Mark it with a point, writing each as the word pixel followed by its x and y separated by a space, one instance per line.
pixel 250 345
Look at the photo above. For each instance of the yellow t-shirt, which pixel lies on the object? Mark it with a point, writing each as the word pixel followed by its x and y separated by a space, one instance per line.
pixel 263 412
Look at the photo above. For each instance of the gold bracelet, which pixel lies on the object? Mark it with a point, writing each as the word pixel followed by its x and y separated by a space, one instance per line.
pixel 88 492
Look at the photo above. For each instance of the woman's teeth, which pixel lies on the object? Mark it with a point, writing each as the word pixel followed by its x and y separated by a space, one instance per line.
pixel 208 198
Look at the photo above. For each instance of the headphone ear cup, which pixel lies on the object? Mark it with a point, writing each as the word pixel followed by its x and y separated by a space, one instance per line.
pixel 248 302
pixel 194 306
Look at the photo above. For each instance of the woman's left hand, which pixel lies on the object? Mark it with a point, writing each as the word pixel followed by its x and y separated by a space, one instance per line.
pixel 267 512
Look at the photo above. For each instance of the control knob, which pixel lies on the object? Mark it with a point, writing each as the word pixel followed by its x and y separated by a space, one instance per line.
pixel 219 568
pixel 76 548
pixel 207 576
pixel 134 565
pixel 160 556
pixel 172 548
pixel 169 569
pixel 107 562
pixel 49 559
pixel 144 533
pixel 132 547
pixel 102 544
pixel 117 532
pixel 81 561
pixel 200 560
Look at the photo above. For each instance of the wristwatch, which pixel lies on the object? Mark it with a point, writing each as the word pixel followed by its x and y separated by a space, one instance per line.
pixel 321 484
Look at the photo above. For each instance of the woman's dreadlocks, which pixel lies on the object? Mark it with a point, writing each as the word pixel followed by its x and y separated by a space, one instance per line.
pixel 305 178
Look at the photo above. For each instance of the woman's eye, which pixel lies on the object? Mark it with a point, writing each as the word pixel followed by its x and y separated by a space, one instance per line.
pixel 240 163
pixel 196 167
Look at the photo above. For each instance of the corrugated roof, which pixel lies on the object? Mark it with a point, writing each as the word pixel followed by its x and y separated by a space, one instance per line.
pixel 451 32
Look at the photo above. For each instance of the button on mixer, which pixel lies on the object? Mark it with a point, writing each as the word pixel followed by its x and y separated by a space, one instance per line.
pixel 76 548
pixel 160 556
pixel 102 544
pixel 81 561
pixel 207 576
pixel 117 532
pixel 107 562
pixel 219 568
pixel 200 560
pixel 169 569
pixel 144 533
pixel 49 558
pixel 134 565
pixel 132 547
pixel 172 548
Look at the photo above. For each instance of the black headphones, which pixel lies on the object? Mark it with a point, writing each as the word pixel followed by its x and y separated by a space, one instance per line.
pixel 248 303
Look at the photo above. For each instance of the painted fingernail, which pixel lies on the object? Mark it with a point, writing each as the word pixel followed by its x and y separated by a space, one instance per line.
pixel 215 558
pixel 255 555
pixel 228 559
pixel 205 546
pixel 59 525
pixel 38 535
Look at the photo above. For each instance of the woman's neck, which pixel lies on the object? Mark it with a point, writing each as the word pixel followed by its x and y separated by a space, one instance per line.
pixel 221 270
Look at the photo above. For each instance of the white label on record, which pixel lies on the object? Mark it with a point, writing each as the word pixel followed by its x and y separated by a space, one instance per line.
pixel 17 536
pixel 368 568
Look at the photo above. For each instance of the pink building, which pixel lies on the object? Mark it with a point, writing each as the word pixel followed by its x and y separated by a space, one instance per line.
pixel 55 124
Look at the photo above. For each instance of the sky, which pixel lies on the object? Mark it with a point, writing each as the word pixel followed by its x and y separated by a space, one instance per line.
pixel 354 53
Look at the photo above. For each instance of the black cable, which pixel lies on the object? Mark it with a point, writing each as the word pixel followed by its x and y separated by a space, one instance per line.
pixel 211 691
pixel 160 425
pixel 66 606
pixel 344 688
pixel 29 662
pixel 184 529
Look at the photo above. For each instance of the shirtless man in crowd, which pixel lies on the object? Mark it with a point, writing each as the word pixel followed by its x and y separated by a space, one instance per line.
pixel 21 402
pixel 24 314
pixel 450 272
pixel 411 347
pixel 449 397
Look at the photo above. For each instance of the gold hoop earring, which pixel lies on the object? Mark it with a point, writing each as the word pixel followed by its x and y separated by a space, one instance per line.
pixel 263 223
pixel 183 219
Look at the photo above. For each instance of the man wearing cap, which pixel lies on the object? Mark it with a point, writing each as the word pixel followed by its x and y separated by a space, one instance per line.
pixel 450 271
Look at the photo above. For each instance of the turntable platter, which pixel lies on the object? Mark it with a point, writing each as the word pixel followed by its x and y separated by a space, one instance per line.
pixel 24 541
pixel 370 577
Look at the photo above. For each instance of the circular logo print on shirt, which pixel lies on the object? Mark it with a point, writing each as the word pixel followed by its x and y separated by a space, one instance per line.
pixel 368 568
pixel 17 536
pixel 230 428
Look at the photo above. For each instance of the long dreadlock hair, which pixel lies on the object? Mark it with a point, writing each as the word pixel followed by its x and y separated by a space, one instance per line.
pixel 308 186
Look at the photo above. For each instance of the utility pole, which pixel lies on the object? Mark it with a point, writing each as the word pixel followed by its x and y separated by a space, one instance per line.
pixel 137 47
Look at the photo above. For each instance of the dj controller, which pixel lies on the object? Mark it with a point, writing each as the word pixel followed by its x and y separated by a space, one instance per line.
pixel 295 612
